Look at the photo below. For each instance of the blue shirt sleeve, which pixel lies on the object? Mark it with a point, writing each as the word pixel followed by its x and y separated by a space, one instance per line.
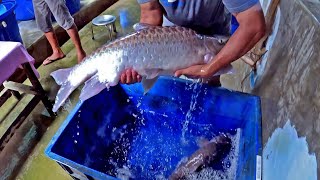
pixel 236 6
pixel 143 1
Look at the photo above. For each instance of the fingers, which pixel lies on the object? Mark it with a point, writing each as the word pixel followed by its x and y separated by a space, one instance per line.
pixel 186 72
pixel 130 76
pixel 139 78
pixel 134 76
pixel 178 73
pixel 123 78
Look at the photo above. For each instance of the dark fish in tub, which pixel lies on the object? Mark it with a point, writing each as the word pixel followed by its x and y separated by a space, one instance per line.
pixel 211 152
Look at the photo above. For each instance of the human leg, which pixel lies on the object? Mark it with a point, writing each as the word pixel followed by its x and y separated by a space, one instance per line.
pixel 66 21
pixel 43 20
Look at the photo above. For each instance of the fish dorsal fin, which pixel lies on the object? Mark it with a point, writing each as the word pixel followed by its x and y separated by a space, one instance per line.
pixel 140 26
pixel 147 84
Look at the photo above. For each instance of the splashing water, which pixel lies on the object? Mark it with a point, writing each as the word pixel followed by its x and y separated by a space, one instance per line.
pixel 67 106
pixel 229 164
pixel 196 87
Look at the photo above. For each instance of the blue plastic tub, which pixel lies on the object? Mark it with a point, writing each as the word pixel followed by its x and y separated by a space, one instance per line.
pixel 120 131
pixel 24 10
pixel 234 24
pixel 73 6
pixel 9 30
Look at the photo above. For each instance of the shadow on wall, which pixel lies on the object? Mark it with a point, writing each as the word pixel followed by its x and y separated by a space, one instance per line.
pixel 286 156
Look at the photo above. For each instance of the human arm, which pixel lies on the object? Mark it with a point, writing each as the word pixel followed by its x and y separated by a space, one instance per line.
pixel 151 13
pixel 251 29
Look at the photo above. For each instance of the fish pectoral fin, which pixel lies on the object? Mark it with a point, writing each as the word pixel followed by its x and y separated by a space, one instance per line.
pixel 60 75
pixel 152 73
pixel 140 26
pixel 148 83
pixel 92 87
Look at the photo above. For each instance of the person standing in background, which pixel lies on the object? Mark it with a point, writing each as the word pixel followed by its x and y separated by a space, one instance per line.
pixel 43 13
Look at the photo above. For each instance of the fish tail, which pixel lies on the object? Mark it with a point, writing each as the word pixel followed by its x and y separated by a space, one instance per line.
pixel 65 90
pixel 60 76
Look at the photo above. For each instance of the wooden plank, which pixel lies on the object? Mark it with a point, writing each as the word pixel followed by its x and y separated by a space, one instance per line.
pixel 38 87
pixel 4 97
pixel 20 87
pixel 16 94
pixel 18 121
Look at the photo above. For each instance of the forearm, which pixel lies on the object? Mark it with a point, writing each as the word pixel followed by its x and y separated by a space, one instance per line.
pixel 151 13
pixel 250 31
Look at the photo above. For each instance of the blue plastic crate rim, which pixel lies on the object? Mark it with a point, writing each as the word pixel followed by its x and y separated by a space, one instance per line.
pixel 10 6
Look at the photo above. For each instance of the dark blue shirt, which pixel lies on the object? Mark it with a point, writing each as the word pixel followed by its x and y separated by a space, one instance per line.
pixel 205 16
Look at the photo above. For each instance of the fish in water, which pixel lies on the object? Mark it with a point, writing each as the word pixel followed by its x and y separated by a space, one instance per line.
pixel 150 50
pixel 210 152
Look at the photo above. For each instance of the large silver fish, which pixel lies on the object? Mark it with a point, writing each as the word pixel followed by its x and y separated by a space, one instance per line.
pixel 151 51
pixel 211 152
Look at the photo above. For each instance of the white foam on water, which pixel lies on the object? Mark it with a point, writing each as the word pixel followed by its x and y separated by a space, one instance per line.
pixel 164 115
pixel 101 132
pixel 124 173
pixel 87 160
pixel 230 164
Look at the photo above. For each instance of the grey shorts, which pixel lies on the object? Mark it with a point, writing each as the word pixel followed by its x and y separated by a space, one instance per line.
pixel 44 9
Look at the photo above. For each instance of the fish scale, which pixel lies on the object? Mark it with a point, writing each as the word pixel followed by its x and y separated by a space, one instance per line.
pixel 151 51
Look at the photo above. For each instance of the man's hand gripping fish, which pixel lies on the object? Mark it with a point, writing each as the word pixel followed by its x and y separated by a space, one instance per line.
pixel 151 51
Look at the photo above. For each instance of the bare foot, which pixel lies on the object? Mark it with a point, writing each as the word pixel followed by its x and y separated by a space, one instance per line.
pixel 81 55
pixel 56 55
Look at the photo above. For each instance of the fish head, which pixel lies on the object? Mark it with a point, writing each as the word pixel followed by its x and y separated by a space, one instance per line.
pixel 222 139
pixel 213 44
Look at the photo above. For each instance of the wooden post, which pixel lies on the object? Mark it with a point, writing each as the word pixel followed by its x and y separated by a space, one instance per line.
pixel 36 84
